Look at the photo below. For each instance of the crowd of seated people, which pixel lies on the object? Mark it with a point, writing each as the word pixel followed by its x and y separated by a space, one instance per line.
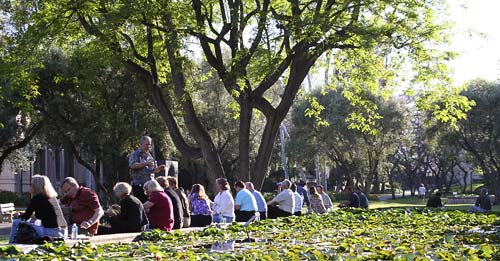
pixel 167 207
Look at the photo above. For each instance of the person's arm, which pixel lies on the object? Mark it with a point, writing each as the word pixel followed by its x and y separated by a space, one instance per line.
pixel 237 202
pixel 98 212
pixel 148 204
pixel 276 200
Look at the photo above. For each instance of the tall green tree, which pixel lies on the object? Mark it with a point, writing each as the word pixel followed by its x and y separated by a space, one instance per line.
pixel 266 42
pixel 479 134
pixel 357 155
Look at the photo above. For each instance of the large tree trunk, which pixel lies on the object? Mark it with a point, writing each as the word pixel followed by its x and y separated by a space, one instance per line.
pixel 298 71
pixel 244 139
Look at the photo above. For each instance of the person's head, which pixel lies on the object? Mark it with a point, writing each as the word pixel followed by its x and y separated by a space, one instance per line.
pixel 357 189
pixel 221 184
pixel 199 191
pixel 162 180
pixel 483 192
pixel 313 191
pixel 122 189
pixel 438 194
pixel 319 188
pixel 348 190
pixel 239 185
pixel 293 187
pixel 249 186
pixel 41 185
pixel 69 187
pixel 172 182
pixel 151 187
pixel 421 185
pixel 145 143
pixel 302 183
pixel 286 184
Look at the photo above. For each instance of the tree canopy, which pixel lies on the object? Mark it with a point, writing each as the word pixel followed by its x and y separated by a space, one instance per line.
pixel 256 49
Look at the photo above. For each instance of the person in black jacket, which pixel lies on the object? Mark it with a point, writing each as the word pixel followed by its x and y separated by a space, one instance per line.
pixel 435 201
pixel 176 202
pixel 46 207
pixel 186 209
pixel 483 202
pixel 353 199
pixel 131 217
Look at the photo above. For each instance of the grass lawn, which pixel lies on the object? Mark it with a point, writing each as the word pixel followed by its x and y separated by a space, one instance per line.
pixel 4 240
pixel 414 201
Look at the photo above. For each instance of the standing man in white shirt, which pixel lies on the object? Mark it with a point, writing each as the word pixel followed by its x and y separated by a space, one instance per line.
pixel 245 204
pixel 283 205
pixel 223 202
pixel 299 201
pixel 327 201
pixel 421 192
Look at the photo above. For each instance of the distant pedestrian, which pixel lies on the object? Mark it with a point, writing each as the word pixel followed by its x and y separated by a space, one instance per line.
pixel 421 192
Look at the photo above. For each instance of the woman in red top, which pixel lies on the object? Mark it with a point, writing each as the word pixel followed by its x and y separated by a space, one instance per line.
pixel 158 207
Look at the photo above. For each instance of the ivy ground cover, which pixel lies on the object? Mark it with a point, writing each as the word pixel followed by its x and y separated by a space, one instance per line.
pixel 391 234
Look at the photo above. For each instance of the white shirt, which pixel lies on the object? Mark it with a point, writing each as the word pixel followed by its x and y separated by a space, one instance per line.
pixel 285 199
pixel 299 200
pixel 421 190
pixel 224 204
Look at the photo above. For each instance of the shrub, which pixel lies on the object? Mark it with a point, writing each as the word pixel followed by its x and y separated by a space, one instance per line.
pixel 9 196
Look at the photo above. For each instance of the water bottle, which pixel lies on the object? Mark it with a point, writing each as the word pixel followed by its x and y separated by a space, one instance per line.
pixel 74 232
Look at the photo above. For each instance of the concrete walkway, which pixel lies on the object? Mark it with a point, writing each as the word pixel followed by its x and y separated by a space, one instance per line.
pixel 97 240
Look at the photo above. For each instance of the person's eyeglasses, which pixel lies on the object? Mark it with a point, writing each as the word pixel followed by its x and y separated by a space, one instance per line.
pixel 67 190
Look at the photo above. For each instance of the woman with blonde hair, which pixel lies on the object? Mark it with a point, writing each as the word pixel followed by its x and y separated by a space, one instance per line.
pixel 46 207
pixel 158 207
pixel 200 207
pixel 316 201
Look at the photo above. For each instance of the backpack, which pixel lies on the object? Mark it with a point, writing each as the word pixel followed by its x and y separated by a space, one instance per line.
pixel 25 234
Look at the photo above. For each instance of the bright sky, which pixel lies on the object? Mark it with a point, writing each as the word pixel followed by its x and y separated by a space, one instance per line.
pixel 477 38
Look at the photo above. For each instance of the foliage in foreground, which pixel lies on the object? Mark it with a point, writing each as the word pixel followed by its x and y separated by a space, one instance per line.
pixel 395 234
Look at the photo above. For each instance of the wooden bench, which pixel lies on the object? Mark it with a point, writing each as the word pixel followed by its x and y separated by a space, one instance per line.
pixel 7 210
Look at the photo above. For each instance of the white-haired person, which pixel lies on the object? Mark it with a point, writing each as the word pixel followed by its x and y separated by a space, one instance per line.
pixel 131 216
pixel 283 205
pixel 45 206
pixel 159 207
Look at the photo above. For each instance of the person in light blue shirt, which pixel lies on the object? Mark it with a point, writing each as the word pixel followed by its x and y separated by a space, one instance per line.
pixel 244 203
pixel 261 201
